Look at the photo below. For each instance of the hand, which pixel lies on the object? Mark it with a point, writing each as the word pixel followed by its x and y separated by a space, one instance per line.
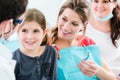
pixel 89 67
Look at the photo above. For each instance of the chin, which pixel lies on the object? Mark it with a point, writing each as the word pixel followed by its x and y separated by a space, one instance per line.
pixel 68 38
pixel 30 49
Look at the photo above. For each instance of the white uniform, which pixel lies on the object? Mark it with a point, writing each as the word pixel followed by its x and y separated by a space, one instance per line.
pixel 6 64
pixel 109 52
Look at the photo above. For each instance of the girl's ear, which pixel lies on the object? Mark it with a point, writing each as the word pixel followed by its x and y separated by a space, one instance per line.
pixel 45 32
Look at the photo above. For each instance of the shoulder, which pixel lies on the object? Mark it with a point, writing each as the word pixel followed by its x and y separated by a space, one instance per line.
pixel 16 54
pixel 86 41
pixel 50 53
pixel 50 50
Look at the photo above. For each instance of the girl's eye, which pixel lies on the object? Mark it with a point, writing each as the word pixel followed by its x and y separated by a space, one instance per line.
pixel 36 31
pixel 24 30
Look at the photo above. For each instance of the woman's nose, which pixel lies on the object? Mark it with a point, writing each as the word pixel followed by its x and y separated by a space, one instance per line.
pixel 100 5
pixel 66 26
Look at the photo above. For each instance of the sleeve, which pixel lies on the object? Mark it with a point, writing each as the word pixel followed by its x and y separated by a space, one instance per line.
pixel 16 57
pixel 86 41
pixel 16 71
pixel 6 73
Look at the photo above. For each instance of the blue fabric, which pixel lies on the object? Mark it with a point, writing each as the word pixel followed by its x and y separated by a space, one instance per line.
pixel 105 18
pixel 12 42
pixel 70 58
pixel 12 45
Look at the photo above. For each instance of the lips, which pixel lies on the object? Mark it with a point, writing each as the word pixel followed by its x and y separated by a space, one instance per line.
pixel 65 32
pixel 30 42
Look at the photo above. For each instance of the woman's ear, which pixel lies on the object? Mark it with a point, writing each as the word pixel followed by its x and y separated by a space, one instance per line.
pixel 115 3
pixel 86 23
pixel 83 26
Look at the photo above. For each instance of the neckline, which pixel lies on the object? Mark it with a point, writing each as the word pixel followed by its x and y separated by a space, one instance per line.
pixel 97 31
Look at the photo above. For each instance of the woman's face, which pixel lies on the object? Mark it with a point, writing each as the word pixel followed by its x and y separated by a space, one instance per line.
pixel 102 8
pixel 69 24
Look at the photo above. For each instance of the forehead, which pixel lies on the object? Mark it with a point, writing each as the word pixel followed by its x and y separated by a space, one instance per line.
pixel 31 25
pixel 70 14
pixel 103 0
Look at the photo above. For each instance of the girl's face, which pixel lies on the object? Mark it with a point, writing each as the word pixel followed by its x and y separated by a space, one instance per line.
pixel 102 8
pixel 69 24
pixel 31 35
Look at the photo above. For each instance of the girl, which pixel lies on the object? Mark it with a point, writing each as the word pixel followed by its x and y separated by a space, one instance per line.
pixel 34 62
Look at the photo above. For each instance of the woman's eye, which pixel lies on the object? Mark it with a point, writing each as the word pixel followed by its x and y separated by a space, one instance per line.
pixel 74 24
pixel 64 19
pixel 36 31
pixel 105 1
pixel 96 1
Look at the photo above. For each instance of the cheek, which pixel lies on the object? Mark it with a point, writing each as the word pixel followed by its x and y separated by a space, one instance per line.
pixel 21 37
pixel 93 9
pixel 77 29
pixel 59 29
pixel 111 9
pixel 39 41
pixel 60 22
pixel 92 5
pixel 22 41
pixel 40 38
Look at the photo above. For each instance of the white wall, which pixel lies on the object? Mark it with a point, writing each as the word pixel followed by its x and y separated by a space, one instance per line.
pixel 49 8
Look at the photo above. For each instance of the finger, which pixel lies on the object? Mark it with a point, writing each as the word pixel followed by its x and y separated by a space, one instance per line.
pixel 88 68
pixel 87 71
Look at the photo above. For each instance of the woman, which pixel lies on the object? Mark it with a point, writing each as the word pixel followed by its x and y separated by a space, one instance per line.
pixel 78 56
pixel 104 29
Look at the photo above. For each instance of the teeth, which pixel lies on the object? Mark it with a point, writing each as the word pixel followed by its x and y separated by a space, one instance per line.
pixel 29 42
pixel 65 32
pixel 100 11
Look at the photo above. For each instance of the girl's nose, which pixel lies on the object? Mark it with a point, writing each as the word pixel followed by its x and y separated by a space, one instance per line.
pixel 30 35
